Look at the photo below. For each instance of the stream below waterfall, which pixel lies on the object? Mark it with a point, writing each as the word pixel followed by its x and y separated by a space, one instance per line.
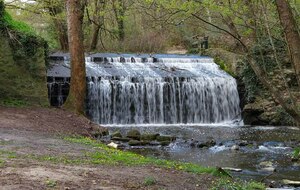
pixel 264 144
pixel 177 95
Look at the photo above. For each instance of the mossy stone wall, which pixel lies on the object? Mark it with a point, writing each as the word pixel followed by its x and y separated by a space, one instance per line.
pixel 22 71
pixel 16 80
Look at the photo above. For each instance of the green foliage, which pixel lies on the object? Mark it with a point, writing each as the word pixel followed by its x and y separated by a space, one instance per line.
pixel 252 84
pixel 16 25
pixel 229 184
pixel 296 153
pixel 223 66
pixel 264 55
pixel 149 180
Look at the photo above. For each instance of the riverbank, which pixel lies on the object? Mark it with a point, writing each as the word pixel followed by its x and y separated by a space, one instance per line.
pixel 38 152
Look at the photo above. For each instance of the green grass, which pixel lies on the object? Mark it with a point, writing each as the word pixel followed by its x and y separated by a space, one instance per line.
pixel 51 183
pixel 106 155
pixel 229 184
pixel 2 162
pixel 8 154
pixel 149 180
pixel 12 102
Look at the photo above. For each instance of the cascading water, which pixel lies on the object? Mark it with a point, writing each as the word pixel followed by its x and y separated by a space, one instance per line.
pixel 158 89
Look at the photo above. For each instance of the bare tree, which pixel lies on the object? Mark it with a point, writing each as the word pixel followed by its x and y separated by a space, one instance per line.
pixel 292 36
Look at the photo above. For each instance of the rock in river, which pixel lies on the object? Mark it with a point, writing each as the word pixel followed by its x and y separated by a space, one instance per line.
pixel 134 134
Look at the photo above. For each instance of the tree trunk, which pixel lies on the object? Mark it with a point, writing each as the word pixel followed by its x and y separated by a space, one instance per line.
pixel 94 42
pixel 76 98
pixel 291 33
pixel 119 10
pixel 60 26
pixel 98 22
pixel 62 35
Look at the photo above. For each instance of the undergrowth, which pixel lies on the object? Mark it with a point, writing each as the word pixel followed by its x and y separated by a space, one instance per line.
pixel 12 102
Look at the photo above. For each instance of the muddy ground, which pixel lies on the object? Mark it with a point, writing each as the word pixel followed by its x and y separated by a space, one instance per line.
pixel 29 132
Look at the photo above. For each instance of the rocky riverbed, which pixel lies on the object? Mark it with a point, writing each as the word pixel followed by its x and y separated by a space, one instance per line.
pixel 259 153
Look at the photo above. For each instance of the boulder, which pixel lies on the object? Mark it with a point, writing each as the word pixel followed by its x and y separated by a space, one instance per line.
pixel 113 145
pixel 207 144
pixel 290 182
pixel 145 142
pixel 243 143
pixel 165 138
pixel 232 169
pixel 267 166
pixel 235 147
pixel 116 134
pixel 134 143
pixel 269 169
pixel 149 137
pixel 121 139
pixel 98 133
pixel 154 143
pixel 134 134
pixel 164 143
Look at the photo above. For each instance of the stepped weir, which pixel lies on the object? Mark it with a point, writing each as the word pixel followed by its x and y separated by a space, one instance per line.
pixel 149 89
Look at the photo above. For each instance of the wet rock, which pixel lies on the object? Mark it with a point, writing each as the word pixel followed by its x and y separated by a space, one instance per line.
pixel 113 145
pixel 164 143
pixel 207 144
pixel 192 144
pixel 232 169
pixel 145 142
pixel 134 134
pixel 154 143
pixel 98 133
pixel 272 183
pixel 295 159
pixel 211 142
pixel 268 169
pixel 243 143
pixel 202 145
pixel 267 166
pixel 235 147
pixel 121 139
pixel 134 143
pixel 116 134
pixel 290 182
pixel 165 138
pixel 149 137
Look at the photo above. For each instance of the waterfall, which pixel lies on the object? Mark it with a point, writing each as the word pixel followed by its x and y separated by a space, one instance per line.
pixel 158 89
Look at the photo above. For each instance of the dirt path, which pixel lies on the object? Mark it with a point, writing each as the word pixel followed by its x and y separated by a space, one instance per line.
pixel 27 134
